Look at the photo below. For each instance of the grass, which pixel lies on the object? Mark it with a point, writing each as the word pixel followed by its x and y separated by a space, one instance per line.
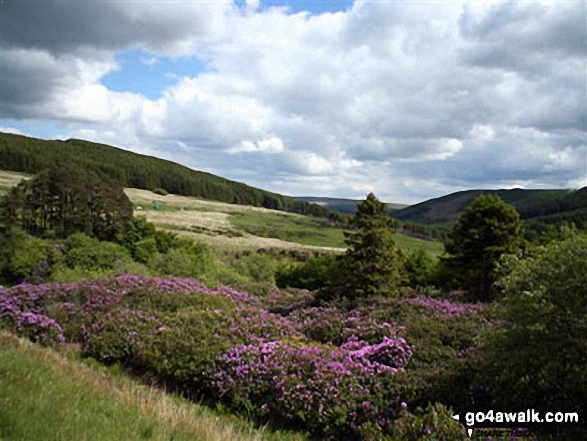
pixel 306 230
pixel 46 396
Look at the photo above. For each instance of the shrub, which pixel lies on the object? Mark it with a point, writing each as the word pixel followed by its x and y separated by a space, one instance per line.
pixel 189 260
pixel 145 249
pixel 255 267
pixel 184 350
pixel 88 253
pixel 160 191
pixel 327 390
pixel 315 273
pixel 537 358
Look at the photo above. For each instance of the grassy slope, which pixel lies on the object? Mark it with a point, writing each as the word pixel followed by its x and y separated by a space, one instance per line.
pixel 44 396
pixel 223 224
pixel 217 223
pixel 10 179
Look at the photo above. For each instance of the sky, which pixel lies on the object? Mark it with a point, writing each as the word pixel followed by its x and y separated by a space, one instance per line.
pixel 409 99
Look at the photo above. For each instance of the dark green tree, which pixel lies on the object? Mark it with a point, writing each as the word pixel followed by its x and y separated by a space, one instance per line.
pixel 372 263
pixel 487 229
pixel 65 199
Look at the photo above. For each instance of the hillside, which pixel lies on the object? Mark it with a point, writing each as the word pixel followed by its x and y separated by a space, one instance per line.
pixel 543 205
pixel 31 155
pixel 345 206
pixel 69 399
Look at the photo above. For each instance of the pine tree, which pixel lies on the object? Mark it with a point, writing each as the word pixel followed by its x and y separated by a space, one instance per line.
pixel 372 264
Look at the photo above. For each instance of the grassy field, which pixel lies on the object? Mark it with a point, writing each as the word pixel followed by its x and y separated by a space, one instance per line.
pixel 45 396
pixel 238 226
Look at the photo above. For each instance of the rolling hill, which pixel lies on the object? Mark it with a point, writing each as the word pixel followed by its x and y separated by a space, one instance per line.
pixel 31 155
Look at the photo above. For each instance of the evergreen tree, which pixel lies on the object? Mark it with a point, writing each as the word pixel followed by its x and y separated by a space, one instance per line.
pixel 372 263
pixel 65 199
pixel 487 229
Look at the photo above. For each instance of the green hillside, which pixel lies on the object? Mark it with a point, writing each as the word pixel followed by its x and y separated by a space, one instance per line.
pixel 546 205
pixel 30 155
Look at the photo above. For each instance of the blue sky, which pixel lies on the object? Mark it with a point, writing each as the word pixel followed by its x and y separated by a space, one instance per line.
pixel 405 98
pixel 147 73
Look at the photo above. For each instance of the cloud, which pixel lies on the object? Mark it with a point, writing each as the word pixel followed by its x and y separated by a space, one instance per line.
pixel 409 99
pixel 65 26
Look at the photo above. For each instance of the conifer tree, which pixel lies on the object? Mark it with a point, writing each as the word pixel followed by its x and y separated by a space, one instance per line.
pixel 372 264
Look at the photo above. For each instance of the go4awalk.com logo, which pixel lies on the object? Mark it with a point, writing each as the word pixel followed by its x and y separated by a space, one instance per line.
pixel 514 421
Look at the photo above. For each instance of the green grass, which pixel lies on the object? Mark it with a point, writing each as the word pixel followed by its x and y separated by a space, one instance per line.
pixel 306 230
pixel 412 244
pixel 45 396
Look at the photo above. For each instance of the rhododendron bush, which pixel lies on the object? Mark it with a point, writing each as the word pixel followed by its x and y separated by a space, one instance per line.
pixel 332 373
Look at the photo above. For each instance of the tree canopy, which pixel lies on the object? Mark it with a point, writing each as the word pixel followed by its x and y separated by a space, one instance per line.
pixel 65 199
pixel 487 229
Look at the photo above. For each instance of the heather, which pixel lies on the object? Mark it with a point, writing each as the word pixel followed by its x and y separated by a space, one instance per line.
pixel 331 372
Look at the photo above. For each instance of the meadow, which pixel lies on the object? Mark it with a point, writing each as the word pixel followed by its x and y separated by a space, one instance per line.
pixel 221 224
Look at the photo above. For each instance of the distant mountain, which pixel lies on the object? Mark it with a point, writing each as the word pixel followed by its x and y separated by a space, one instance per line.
pixel 345 206
pixel 549 206
pixel 31 155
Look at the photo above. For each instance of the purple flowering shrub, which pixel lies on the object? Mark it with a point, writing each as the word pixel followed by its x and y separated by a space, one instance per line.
pixel 325 389
pixel 333 373
pixel 118 336
pixel 332 325
pixel 39 328
pixel 30 324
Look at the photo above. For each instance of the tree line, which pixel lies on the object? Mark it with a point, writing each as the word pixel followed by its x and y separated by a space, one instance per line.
pixel 29 155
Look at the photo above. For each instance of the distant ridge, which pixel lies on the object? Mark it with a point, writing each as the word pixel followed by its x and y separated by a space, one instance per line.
pixel 533 205
pixel 30 155
pixel 345 206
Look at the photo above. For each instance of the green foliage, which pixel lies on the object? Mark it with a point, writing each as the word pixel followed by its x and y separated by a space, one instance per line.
pixel 430 424
pixel 486 230
pixel 25 258
pixel 65 199
pixel 372 263
pixel 255 267
pixel 144 241
pixel 145 249
pixel 84 252
pixel 186 347
pixel 191 259
pixel 538 357
pixel 315 273
pixel 419 268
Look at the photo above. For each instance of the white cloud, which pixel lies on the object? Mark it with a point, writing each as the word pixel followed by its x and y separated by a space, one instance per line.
pixel 408 99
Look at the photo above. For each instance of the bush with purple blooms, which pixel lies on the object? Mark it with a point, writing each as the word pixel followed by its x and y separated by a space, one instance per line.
pixel 327 390
pixel 330 372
